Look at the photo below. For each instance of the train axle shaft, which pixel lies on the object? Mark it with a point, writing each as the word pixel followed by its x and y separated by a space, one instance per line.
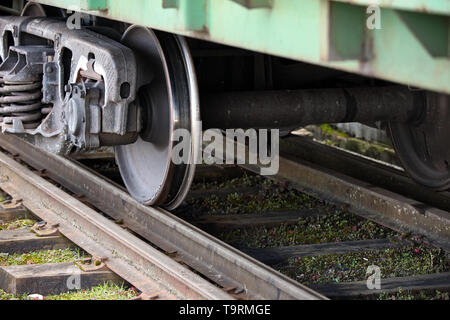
pixel 304 107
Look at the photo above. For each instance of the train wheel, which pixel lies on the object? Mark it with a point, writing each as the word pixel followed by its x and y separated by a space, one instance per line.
pixel 34 9
pixel 168 100
pixel 423 146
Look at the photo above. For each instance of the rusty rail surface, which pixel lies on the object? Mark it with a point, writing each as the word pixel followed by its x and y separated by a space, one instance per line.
pixel 363 168
pixel 238 273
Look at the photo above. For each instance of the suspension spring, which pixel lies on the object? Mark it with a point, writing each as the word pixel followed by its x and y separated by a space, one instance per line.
pixel 21 101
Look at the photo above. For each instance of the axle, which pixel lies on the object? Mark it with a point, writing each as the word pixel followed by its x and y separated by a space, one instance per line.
pixel 290 109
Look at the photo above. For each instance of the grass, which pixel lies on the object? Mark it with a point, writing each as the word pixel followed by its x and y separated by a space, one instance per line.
pixel 329 130
pixel 17 224
pixel 408 295
pixel 333 137
pixel 402 262
pixel 43 256
pixel 335 227
pixel 245 180
pixel 8 296
pixel 269 196
pixel 107 291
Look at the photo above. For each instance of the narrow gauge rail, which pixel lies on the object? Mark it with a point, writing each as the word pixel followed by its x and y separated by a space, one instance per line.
pixel 239 274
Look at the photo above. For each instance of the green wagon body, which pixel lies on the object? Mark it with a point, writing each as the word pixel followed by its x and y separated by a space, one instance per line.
pixel 412 47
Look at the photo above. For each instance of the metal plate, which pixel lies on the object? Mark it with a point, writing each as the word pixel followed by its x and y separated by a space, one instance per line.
pixel 413 39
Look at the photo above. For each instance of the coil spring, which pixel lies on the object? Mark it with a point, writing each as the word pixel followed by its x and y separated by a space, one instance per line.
pixel 21 101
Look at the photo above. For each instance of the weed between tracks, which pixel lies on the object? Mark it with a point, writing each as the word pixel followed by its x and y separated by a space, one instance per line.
pixel 265 195
pixel 335 227
pixel 402 262
pixel 37 257
pixel 408 295
pixel 338 225
pixel 43 256
pixel 107 291
pixel 17 224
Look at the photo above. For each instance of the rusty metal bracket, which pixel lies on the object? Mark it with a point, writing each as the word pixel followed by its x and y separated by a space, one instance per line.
pixel 14 203
pixel 43 229
pixel 92 264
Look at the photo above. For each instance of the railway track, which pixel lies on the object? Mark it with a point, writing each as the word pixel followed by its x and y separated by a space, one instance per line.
pixel 143 266
pixel 235 274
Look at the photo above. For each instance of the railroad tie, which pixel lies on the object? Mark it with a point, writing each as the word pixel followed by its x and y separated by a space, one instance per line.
pixel 23 240
pixel 13 212
pixel 267 219
pixel 51 278
pixel 429 282
pixel 273 256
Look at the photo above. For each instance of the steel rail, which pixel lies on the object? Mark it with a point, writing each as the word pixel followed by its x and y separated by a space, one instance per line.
pixel 362 168
pixel 235 271
pixel 148 269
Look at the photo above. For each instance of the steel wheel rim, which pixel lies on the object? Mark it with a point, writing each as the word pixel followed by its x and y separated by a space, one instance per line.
pixel 34 9
pixel 146 167
pixel 419 147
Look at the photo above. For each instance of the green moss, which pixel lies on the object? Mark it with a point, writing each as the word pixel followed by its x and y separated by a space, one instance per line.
pixel 336 226
pixel 326 128
pixel 402 262
pixel 328 135
pixel 43 256
pixel 355 145
pixel 369 149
